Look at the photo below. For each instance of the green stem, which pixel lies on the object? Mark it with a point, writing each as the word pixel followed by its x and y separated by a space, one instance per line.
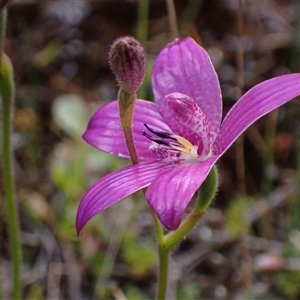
pixel 126 105
pixel 2 38
pixel 158 227
pixel 268 162
pixel 142 36
pixel 163 271
pixel 2 29
pixel 240 160
pixel 172 19
pixel 189 16
pixel 6 95
pixel 268 159
pixel 163 259
pixel 142 23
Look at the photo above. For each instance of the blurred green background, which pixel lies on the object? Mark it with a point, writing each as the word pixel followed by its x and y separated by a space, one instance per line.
pixel 248 244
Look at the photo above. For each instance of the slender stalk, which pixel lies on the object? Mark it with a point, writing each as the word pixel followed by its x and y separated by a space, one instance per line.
pixel 142 35
pixel 268 159
pixel 163 260
pixel 294 66
pixel 2 38
pixel 6 94
pixel 189 16
pixel 158 227
pixel 172 19
pixel 164 271
pixel 2 29
pixel 294 204
pixel 126 104
pixel 142 22
pixel 240 161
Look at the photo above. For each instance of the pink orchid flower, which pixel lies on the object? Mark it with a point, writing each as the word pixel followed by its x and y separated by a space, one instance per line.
pixel 180 137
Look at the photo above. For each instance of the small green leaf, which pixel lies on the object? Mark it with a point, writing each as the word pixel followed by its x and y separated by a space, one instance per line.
pixel 288 284
pixel 189 291
pixel 44 57
pixel 235 217
pixel 133 293
pixel 140 257
pixel 70 114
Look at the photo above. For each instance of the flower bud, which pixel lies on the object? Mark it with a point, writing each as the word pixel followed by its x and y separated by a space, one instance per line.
pixel 127 59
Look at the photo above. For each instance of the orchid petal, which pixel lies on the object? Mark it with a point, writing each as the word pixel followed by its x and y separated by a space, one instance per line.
pixel 171 192
pixel 185 67
pixel 115 186
pixel 105 132
pixel 257 102
pixel 195 125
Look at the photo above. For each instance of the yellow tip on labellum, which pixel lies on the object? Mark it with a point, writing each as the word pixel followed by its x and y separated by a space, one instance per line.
pixel 187 148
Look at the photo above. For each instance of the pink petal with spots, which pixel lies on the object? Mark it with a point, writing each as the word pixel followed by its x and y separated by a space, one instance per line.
pixel 185 67
pixel 105 133
pixel 195 127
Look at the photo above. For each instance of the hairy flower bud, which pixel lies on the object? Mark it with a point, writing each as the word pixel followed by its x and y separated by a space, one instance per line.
pixel 127 59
